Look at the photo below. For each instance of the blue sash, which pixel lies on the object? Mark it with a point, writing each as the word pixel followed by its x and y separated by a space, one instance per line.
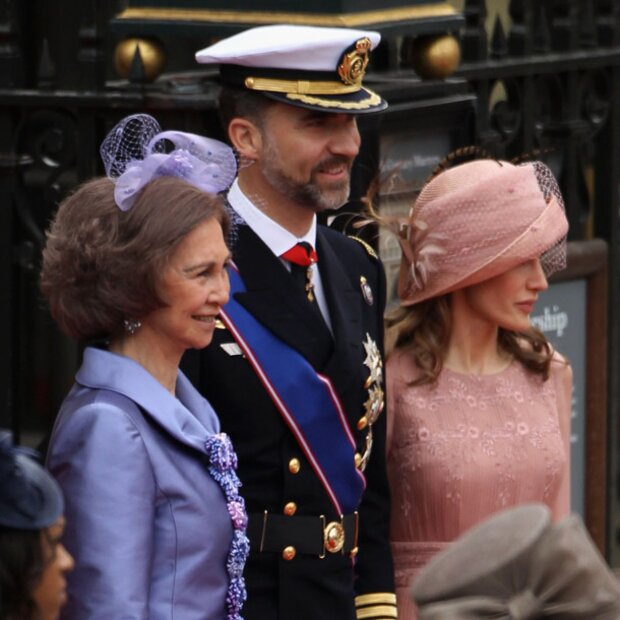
pixel 307 401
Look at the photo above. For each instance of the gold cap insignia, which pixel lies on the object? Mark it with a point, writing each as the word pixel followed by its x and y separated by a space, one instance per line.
pixel 353 65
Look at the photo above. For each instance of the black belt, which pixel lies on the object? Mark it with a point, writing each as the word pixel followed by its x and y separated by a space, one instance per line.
pixel 308 535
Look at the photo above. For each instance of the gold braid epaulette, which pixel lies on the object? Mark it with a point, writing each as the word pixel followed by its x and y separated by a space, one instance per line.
pixel 371 251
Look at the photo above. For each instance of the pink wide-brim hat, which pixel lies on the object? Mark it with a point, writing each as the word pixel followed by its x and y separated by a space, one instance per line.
pixel 478 220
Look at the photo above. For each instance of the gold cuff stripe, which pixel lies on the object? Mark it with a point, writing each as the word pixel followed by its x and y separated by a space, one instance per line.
pixel 376 598
pixel 364 104
pixel 302 87
pixel 380 611
pixel 271 17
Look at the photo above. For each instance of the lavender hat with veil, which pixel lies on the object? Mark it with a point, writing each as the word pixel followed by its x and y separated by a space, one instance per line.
pixel 136 151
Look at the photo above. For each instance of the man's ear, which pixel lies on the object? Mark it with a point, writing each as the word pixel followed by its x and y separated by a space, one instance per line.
pixel 245 138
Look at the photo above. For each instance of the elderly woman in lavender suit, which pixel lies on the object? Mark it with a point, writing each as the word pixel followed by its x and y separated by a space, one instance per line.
pixel 139 261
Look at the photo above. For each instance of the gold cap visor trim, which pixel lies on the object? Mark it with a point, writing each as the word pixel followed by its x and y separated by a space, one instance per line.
pixel 371 101
pixel 301 87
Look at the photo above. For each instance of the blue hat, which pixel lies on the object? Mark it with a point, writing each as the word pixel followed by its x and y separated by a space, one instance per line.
pixel 30 499
pixel 305 66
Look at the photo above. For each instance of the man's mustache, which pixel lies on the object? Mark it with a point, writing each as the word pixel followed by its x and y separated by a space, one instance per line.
pixel 334 161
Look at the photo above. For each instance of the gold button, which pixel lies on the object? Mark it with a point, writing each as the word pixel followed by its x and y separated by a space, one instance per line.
pixel 362 423
pixel 290 509
pixel 358 459
pixel 353 552
pixel 289 553
pixel 294 466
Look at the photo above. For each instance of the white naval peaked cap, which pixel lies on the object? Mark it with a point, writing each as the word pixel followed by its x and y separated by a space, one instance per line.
pixel 307 66
pixel 282 46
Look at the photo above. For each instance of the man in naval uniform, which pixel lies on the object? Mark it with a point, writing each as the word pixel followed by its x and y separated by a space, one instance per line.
pixel 295 368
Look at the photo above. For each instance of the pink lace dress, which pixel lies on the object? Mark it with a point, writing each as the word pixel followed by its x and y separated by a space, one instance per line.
pixel 466 448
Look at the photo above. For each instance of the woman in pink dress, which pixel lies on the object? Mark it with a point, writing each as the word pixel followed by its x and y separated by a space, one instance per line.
pixel 479 404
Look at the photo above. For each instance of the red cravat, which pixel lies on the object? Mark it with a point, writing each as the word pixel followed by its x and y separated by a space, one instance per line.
pixel 301 254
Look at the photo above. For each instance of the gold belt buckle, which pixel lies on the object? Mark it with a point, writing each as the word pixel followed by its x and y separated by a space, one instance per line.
pixel 333 536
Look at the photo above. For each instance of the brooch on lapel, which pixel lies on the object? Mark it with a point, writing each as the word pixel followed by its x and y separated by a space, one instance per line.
pixel 366 292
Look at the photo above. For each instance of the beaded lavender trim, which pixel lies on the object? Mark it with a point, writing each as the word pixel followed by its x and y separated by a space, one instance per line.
pixel 222 466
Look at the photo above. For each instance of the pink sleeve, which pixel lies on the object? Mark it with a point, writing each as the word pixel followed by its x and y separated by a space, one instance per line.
pixel 562 375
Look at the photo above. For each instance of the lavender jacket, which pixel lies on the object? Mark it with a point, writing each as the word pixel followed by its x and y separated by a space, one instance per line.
pixel 147 525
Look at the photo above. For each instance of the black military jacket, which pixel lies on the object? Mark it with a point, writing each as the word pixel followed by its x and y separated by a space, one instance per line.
pixel 275 474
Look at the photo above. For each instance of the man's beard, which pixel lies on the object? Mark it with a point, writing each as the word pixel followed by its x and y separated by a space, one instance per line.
pixel 309 194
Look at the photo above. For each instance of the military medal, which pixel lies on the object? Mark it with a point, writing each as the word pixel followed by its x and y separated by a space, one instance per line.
pixel 309 284
pixel 375 402
pixel 373 362
pixel 374 405
pixel 366 457
pixel 366 291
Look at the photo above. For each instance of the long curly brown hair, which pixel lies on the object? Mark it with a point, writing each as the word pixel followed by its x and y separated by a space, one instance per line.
pixel 424 329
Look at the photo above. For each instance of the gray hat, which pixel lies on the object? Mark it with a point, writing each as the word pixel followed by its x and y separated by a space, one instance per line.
pixel 30 499
pixel 517 565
